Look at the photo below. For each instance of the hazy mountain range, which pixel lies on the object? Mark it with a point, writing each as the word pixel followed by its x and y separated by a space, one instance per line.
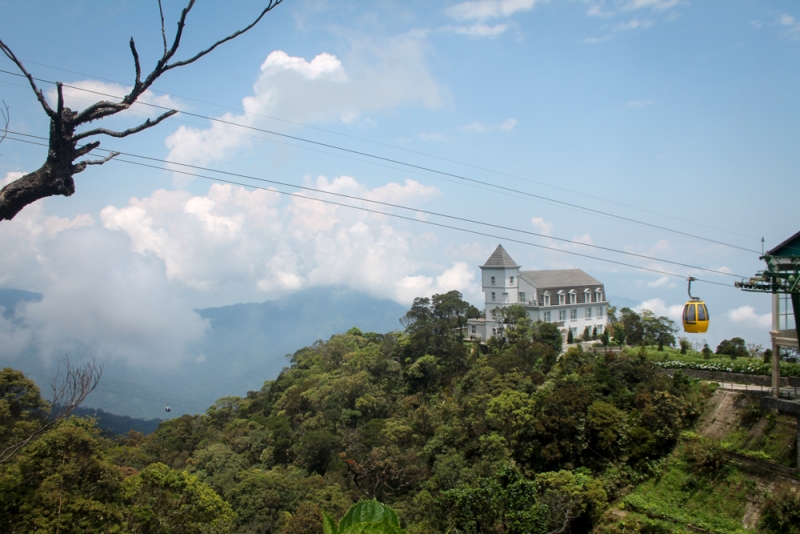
pixel 246 345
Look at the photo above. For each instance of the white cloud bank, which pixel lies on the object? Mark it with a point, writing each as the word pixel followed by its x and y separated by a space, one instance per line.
pixel 123 289
pixel 99 297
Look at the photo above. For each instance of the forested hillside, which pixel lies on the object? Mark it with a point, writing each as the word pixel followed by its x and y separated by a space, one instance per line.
pixel 453 435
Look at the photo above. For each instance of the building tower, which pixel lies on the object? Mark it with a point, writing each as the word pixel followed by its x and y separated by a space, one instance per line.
pixel 500 280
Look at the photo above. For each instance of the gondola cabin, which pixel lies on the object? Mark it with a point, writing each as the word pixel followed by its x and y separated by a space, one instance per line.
pixel 695 317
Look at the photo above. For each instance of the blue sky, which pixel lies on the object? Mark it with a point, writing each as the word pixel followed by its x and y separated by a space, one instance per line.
pixel 678 114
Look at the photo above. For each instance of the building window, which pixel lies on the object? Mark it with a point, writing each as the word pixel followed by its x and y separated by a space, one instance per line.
pixel 561 298
pixel 587 296
pixel 474 329
pixel 511 281
pixel 547 316
pixel 574 333
pixel 493 280
pixel 505 298
pixel 588 313
pixel 573 297
pixel 599 311
pixel 598 295
pixel 546 299
pixel 599 330
pixel 573 314
pixel 522 296
pixel 785 314
pixel 562 315
pixel 493 296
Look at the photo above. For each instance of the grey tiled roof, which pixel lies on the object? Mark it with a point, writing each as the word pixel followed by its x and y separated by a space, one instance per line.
pixel 559 278
pixel 500 258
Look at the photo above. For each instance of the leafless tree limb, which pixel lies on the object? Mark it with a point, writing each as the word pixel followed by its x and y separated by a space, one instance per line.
pixel 125 133
pixel 39 95
pixel 55 176
pixel 70 388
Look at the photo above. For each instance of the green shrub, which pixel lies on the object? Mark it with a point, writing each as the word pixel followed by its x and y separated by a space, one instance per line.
pixel 781 513
pixel 705 455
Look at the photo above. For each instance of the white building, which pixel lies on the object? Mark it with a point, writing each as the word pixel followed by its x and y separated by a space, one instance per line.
pixel 568 297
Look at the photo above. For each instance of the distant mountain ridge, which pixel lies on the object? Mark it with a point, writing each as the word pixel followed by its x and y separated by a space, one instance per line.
pixel 246 345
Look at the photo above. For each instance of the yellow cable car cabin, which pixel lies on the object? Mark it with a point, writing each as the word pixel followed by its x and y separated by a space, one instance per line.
pixel 695 317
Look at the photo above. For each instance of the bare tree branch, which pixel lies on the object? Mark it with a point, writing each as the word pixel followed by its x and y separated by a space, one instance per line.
pixel 125 133
pixel 70 388
pixel 83 164
pixel 272 5
pixel 55 176
pixel 163 30
pixel 39 95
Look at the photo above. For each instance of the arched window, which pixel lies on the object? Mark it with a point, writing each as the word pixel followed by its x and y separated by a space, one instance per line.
pixel 546 299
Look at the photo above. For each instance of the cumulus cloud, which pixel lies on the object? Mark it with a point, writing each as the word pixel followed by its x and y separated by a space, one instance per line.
pixel 477 127
pixel 542 226
pixel 318 90
pixel 748 316
pixel 276 244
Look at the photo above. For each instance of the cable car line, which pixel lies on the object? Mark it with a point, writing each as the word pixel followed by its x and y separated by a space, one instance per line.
pixel 398 206
pixel 414 166
pixel 395 147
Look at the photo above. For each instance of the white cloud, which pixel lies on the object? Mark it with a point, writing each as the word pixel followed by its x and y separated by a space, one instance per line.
pixel 542 226
pixel 660 308
pixel 748 315
pixel 460 277
pixel 790 24
pixel 489 9
pixel 235 237
pixel 661 282
pixel 378 77
pixel 477 127
pixel 99 297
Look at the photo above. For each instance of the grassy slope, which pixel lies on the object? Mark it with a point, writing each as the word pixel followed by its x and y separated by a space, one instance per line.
pixel 725 499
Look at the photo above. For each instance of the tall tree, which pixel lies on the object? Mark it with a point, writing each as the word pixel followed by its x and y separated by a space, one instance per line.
pixel 67 145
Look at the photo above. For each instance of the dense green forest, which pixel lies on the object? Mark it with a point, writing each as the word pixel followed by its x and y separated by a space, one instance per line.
pixel 455 436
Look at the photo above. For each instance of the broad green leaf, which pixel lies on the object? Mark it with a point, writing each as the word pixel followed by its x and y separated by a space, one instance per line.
pixel 328 525
pixel 368 512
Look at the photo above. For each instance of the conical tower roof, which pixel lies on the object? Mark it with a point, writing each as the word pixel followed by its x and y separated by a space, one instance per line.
pixel 500 258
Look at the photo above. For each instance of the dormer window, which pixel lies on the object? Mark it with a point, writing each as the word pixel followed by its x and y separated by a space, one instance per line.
pixel 598 295
pixel 587 295
pixel 573 297
pixel 562 298
pixel 546 299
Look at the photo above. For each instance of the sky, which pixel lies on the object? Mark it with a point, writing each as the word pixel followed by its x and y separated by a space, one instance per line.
pixel 663 128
